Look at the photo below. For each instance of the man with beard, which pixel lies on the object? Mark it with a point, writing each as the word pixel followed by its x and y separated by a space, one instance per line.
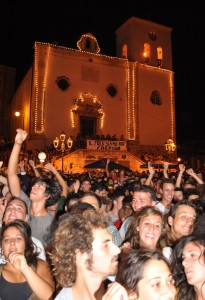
pixel 83 263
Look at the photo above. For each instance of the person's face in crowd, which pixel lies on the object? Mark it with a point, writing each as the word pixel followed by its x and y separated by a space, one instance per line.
pixel 141 199
pixel 53 209
pixel 194 264
pixel 38 192
pixel 150 229
pixel 157 282
pixel 118 202
pixel 183 222
pixel 188 185
pixel 12 241
pixel 85 186
pixel 102 193
pixel 91 200
pixel 105 253
pixel 168 192
pixel 178 196
pixel 15 209
pixel 142 180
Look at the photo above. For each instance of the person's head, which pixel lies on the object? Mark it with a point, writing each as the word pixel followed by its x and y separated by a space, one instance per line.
pixel 192 194
pixel 188 265
pixel 146 228
pixel 181 219
pixel 143 178
pixel 72 199
pixel 80 208
pixel 143 195
pixel 146 274
pixel 16 237
pixel 93 199
pixel 188 184
pixel 100 190
pixel 178 194
pixel 83 245
pixel 117 199
pixel 167 189
pixel 85 185
pixel 45 189
pixel 16 208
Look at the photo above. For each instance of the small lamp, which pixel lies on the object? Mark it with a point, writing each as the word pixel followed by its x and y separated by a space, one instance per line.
pixel 42 156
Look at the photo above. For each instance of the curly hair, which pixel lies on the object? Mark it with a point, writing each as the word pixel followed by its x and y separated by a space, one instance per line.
pixel 53 190
pixel 30 248
pixel 131 267
pixel 133 234
pixel 185 290
pixel 73 232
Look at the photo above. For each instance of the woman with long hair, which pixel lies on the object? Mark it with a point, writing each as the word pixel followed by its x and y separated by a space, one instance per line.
pixel 146 229
pixel 188 267
pixel 24 276
pixel 145 275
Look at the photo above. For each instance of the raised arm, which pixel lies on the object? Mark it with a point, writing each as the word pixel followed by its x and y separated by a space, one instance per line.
pixel 4 181
pixel 195 176
pixel 179 177
pixel 49 167
pixel 32 164
pixel 13 180
pixel 106 168
pixel 165 169
pixel 151 170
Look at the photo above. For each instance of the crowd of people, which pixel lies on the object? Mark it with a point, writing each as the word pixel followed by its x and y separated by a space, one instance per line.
pixel 109 235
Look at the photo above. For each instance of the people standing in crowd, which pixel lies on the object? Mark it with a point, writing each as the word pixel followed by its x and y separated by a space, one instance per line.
pixel 167 189
pixel 146 275
pixel 82 263
pixel 95 201
pixel 180 223
pixel 142 196
pixel 117 199
pixel 188 267
pixel 16 208
pixel 24 276
pixel 178 194
pixel 44 193
pixel 146 229
pixel 190 181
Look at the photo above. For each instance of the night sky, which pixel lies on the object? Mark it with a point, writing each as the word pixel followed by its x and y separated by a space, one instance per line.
pixel 24 22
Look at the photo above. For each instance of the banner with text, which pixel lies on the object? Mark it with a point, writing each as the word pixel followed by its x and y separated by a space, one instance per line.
pixel 106 145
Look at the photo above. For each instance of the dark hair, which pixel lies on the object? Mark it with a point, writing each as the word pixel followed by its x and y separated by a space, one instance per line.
pixel 166 180
pixel 53 189
pixel 174 207
pixel 19 199
pixel 190 192
pixel 146 189
pixel 80 207
pixel 185 290
pixel 92 194
pixel 30 248
pixel 131 267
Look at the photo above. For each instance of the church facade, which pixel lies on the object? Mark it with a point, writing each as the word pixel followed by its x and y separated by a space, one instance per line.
pixel 84 92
